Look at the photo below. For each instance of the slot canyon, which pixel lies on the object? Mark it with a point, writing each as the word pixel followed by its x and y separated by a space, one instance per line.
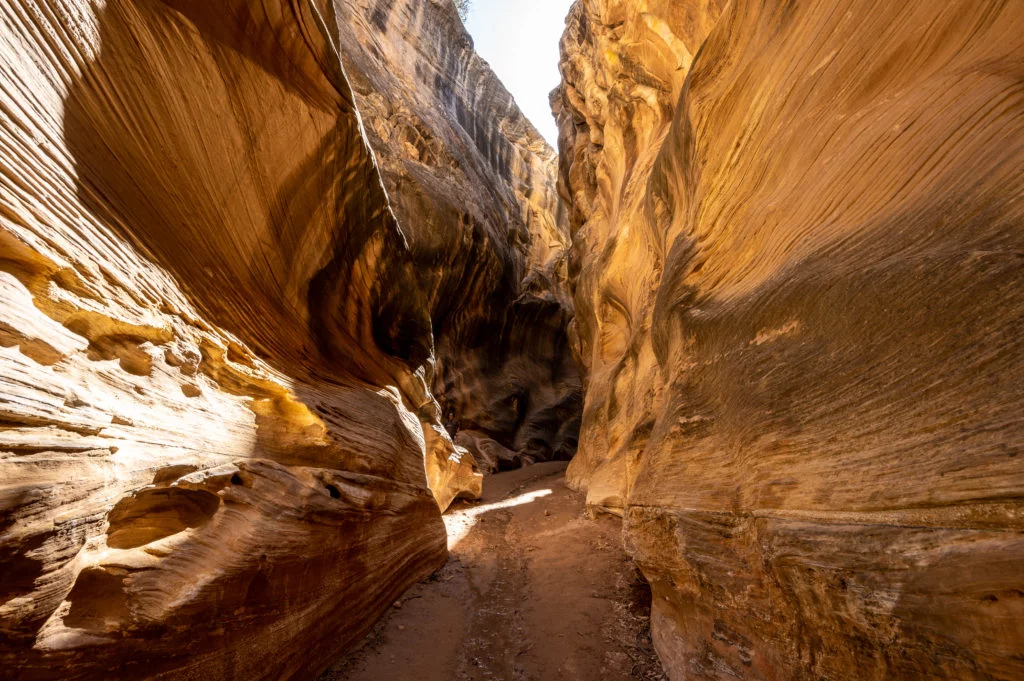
pixel 318 361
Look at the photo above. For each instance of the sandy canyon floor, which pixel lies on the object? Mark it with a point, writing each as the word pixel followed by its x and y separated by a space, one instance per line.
pixel 533 590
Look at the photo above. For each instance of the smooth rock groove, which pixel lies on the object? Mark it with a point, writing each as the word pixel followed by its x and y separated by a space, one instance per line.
pixel 243 247
pixel 798 258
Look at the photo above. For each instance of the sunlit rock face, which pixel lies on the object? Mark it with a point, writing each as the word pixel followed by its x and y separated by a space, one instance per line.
pixel 474 187
pixel 216 341
pixel 797 237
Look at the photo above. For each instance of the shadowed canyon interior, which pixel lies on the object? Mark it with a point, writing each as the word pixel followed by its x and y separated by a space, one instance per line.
pixel 283 279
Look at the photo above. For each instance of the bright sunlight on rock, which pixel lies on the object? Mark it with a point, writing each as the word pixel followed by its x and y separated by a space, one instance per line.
pixel 301 320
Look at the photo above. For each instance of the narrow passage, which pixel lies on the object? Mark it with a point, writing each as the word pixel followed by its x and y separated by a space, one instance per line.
pixel 533 591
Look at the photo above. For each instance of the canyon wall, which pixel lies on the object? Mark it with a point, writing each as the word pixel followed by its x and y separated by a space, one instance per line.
pixel 474 187
pixel 221 455
pixel 797 260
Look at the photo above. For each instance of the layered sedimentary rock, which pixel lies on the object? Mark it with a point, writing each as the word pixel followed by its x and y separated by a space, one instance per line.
pixel 797 259
pixel 216 341
pixel 474 187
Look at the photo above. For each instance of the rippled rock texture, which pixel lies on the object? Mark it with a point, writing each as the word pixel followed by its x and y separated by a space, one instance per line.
pixel 217 342
pixel 797 259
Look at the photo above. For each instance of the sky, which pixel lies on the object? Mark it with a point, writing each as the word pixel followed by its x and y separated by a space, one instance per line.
pixel 519 39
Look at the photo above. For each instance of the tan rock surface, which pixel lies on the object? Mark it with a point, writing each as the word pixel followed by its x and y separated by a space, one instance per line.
pixel 474 187
pixel 217 354
pixel 490 455
pixel 797 230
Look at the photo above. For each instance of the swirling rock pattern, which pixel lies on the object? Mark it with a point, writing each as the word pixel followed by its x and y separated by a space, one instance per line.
pixel 220 451
pixel 797 262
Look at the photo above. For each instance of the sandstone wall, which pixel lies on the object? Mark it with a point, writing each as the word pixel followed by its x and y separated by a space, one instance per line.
pixel 473 186
pixel 216 340
pixel 797 237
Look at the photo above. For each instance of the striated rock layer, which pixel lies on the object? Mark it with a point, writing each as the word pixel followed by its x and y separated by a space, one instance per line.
pixel 474 187
pixel 797 259
pixel 217 354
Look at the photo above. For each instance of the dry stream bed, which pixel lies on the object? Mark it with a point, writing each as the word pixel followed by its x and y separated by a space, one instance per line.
pixel 533 591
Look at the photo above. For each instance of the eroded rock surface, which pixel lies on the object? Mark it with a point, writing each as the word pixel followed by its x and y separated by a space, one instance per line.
pixel 474 187
pixel 797 237
pixel 217 342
